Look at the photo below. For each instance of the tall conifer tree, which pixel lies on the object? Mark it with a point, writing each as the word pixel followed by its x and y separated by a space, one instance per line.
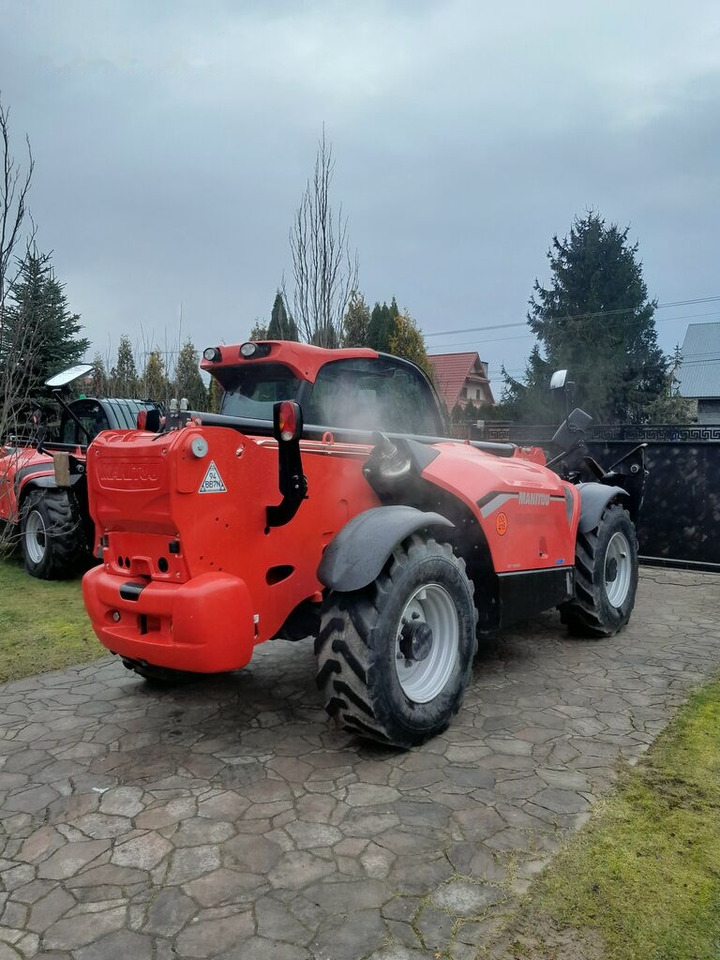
pixel 37 302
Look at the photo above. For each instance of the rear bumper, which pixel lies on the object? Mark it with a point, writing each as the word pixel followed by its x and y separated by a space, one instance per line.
pixel 205 625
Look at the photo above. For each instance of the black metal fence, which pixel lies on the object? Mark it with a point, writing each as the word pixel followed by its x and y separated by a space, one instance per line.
pixel 680 517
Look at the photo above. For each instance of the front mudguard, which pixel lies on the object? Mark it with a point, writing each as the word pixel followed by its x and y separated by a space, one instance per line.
pixel 594 497
pixel 357 554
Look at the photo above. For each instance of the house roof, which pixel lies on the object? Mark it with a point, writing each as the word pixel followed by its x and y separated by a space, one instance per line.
pixel 699 371
pixel 451 372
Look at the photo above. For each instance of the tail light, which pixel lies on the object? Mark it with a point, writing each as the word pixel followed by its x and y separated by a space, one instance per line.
pixel 142 419
pixel 287 421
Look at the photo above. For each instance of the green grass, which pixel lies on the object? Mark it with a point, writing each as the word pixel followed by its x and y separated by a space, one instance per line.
pixel 43 624
pixel 645 874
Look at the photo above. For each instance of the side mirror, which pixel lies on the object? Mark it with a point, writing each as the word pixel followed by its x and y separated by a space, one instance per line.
pixel 572 429
pixel 558 380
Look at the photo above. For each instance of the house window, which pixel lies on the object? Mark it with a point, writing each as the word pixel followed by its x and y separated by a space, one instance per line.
pixel 478 394
pixel 463 393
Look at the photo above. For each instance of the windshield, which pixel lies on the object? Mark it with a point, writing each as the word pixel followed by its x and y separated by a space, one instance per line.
pixel 251 391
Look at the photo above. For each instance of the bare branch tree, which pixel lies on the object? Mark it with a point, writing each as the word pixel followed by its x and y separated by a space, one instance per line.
pixel 14 188
pixel 324 270
pixel 18 342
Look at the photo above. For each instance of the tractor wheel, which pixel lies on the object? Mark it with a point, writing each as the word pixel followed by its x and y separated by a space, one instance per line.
pixel 606 576
pixel 51 535
pixel 394 658
pixel 160 676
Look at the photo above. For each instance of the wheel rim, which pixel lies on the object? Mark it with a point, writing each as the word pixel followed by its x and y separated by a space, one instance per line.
pixel 423 680
pixel 618 569
pixel 35 536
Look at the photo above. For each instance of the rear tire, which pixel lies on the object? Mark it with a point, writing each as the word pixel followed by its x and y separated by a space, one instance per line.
pixel 606 576
pixel 394 658
pixel 51 535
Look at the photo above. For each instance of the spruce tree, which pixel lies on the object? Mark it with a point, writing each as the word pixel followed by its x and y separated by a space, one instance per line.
pixel 282 326
pixel 155 381
pixel 595 319
pixel 188 382
pixel 356 322
pixel 37 314
pixel 382 326
pixel 123 376
pixel 98 385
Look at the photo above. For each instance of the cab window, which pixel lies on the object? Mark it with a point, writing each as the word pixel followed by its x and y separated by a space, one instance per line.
pixel 251 391
pixel 92 416
pixel 374 394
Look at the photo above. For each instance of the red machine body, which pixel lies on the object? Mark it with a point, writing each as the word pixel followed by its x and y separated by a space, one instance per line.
pixel 192 577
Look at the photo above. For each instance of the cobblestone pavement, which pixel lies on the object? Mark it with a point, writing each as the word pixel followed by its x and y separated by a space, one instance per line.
pixel 229 819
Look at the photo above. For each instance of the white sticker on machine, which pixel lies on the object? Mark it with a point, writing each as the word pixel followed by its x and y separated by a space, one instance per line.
pixel 212 482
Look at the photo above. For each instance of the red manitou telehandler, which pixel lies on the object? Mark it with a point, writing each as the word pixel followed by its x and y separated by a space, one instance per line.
pixel 325 499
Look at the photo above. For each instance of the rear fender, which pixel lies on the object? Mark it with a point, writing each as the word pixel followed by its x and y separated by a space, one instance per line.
pixel 357 554
pixel 594 497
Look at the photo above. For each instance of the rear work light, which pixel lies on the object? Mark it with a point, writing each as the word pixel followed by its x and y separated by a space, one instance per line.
pixel 250 350
pixel 142 420
pixel 288 422
pixel 212 354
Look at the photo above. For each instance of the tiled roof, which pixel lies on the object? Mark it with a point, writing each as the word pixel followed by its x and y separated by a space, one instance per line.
pixel 451 372
pixel 699 372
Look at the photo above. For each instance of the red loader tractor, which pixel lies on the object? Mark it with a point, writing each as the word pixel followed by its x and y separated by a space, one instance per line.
pixel 43 493
pixel 326 500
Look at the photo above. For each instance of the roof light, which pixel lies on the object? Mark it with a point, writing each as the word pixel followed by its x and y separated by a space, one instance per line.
pixel 212 354
pixel 251 349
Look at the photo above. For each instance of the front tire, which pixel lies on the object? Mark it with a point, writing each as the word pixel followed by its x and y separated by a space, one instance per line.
pixel 606 576
pixel 51 535
pixel 394 658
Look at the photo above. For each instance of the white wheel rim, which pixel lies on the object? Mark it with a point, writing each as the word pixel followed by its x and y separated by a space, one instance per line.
pixel 35 536
pixel 423 680
pixel 618 569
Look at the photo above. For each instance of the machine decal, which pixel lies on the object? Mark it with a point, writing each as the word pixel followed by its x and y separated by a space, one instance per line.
pixel 212 481
pixel 493 502
pixel 501 524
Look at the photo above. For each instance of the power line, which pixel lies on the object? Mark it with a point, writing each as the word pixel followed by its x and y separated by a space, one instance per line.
pixel 577 316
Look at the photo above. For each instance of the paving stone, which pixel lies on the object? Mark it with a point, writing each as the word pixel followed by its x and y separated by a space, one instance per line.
pixel 168 913
pixel 561 801
pixel 343 938
pixel 256 947
pixel 435 927
pixel 75 932
pixel 275 921
pixel 466 899
pixel 296 870
pixel 254 854
pixel 308 835
pixel 143 852
pixel 192 862
pixel 224 886
pixel 116 945
pixel 48 910
pixel 41 844
pixel 71 858
pixel 196 831
pixel 210 938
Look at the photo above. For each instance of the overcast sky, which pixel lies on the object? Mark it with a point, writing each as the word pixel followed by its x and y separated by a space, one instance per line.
pixel 173 140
